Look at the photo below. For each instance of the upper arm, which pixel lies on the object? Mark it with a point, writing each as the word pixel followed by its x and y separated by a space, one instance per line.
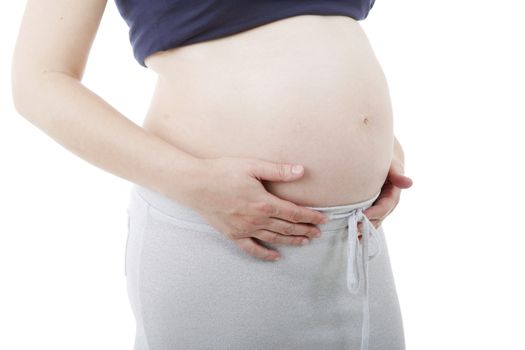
pixel 55 36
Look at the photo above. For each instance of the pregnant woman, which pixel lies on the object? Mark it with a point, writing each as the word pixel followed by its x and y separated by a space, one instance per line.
pixel 228 247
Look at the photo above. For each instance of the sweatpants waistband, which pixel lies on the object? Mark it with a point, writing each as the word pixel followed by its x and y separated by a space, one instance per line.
pixel 336 213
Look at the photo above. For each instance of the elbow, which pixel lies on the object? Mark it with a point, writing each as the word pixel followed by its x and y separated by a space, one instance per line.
pixel 20 97
pixel 33 87
pixel 29 91
pixel 33 81
pixel 23 87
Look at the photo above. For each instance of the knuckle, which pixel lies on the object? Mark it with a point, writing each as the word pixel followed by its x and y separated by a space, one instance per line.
pixel 282 171
pixel 259 220
pixel 295 215
pixel 246 245
pixel 273 237
pixel 251 249
pixel 236 235
pixel 263 207
pixel 241 230
pixel 311 232
pixel 298 240
pixel 234 210
pixel 251 220
pixel 245 229
pixel 289 229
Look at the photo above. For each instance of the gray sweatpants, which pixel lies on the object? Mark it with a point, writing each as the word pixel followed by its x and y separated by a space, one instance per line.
pixel 190 287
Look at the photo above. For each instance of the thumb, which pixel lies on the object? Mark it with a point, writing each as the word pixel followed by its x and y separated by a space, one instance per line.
pixel 397 177
pixel 277 172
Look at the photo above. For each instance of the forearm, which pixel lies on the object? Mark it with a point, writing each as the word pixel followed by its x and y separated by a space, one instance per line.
pixel 85 124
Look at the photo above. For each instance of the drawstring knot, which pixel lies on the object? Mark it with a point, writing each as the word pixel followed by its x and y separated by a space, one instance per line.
pixel 360 252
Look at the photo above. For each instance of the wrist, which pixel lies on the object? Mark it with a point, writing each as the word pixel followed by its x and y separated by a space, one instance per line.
pixel 183 178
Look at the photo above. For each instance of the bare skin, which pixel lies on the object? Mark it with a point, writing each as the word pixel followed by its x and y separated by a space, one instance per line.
pixel 191 141
pixel 306 89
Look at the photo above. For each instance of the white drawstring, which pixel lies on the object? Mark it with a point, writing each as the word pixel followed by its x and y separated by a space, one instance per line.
pixel 354 253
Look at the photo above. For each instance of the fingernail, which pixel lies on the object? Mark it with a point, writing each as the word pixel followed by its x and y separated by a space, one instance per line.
pixel 276 258
pixel 296 169
pixel 305 241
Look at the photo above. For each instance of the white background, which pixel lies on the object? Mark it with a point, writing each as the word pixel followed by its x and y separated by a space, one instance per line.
pixel 456 75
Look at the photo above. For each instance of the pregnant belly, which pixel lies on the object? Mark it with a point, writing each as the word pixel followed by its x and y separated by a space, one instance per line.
pixel 304 90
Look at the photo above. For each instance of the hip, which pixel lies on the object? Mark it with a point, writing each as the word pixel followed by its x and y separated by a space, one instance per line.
pixel 189 285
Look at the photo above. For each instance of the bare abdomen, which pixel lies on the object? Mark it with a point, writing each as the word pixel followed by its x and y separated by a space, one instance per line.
pixel 306 90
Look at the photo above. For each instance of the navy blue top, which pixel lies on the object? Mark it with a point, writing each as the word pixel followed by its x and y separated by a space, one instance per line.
pixel 158 25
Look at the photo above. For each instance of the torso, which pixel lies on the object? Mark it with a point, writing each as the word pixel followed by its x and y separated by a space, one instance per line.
pixel 306 89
